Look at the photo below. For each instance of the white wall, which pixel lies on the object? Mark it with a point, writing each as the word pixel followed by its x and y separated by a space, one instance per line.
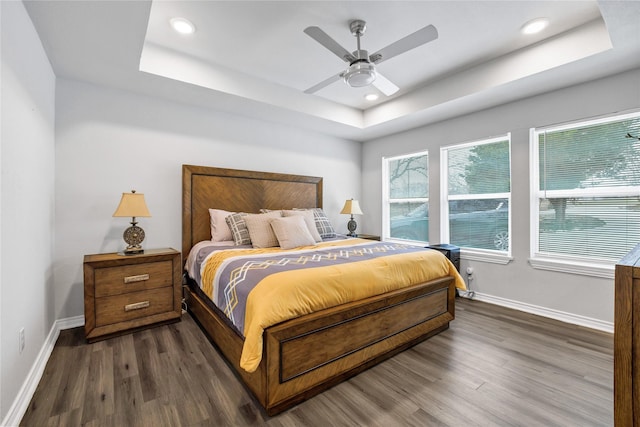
pixel 27 198
pixel 109 142
pixel 518 281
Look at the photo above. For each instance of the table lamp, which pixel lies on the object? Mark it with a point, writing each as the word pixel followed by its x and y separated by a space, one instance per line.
pixel 351 207
pixel 133 205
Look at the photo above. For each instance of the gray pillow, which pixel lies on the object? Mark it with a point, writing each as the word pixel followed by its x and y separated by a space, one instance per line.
pixel 239 230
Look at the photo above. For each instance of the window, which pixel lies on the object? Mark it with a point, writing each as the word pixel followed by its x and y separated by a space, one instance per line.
pixel 585 194
pixel 406 197
pixel 476 195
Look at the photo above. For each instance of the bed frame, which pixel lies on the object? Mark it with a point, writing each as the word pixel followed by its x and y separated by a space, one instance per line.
pixel 304 356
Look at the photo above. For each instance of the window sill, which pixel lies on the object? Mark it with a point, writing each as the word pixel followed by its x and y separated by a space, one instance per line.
pixel 485 257
pixel 466 254
pixel 594 269
pixel 405 242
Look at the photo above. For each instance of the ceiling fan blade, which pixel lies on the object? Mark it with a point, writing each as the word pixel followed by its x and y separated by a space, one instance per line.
pixel 324 83
pixel 413 40
pixel 384 85
pixel 325 40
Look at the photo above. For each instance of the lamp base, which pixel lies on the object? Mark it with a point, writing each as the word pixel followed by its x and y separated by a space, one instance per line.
pixel 134 250
pixel 133 236
pixel 351 226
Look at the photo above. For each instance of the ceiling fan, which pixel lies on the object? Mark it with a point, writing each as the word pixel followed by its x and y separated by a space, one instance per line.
pixel 362 66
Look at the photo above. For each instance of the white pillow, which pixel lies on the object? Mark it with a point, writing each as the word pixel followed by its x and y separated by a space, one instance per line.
pixel 220 231
pixel 292 232
pixel 309 220
pixel 260 231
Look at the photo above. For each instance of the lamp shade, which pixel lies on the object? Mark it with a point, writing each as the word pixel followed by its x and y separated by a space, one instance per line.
pixel 351 207
pixel 132 204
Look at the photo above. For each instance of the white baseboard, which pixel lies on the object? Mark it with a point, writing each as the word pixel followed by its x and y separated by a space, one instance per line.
pixel 22 400
pixel 562 316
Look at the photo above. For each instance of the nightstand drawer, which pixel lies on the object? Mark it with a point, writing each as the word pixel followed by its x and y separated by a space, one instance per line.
pixel 133 305
pixel 132 278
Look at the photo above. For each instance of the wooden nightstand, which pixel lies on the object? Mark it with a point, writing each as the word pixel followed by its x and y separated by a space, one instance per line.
pixel 368 237
pixel 123 293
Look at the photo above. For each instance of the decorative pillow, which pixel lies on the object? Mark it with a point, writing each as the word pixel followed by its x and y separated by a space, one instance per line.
pixel 238 228
pixel 292 232
pixel 323 224
pixel 308 219
pixel 325 229
pixel 260 231
pixel 220 231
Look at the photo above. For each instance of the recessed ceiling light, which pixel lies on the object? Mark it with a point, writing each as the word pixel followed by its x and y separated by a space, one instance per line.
pixel 183 26
pixel 535 26
pixel 371 96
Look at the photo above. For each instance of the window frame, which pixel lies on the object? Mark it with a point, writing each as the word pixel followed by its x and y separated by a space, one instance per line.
pixel 589 266
pixel 386 200
pixel 474 254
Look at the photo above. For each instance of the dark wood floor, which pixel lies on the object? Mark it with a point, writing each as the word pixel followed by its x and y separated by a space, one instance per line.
pixel 493 367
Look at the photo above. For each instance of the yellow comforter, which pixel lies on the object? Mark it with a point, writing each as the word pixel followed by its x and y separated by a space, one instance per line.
pixel 286 295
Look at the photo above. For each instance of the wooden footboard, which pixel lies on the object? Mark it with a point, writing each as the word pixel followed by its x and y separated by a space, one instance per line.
pixel 307 355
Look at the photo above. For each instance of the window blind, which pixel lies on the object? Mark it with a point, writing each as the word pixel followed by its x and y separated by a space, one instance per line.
pixel 589 189
pixel 408 197
pixel 478 194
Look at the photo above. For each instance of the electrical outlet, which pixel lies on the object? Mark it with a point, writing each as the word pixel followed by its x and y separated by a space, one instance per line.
pixel 21 340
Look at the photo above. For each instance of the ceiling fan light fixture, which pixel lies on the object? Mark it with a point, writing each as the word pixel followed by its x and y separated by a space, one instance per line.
pixel 360 74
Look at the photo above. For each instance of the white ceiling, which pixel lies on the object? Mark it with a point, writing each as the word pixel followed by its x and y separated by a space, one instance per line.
pixel 252 57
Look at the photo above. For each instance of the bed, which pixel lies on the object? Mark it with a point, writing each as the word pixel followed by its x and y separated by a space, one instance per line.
pixel 302 356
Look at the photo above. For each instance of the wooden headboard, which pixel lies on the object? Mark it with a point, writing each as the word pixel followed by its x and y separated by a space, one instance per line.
pixel 238 191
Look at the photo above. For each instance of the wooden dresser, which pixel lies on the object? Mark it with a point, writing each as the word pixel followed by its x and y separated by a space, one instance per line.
pixel 123 293
pixel 626 347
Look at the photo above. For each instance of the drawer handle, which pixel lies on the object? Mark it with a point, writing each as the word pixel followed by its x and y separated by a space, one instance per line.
pixel 136 306
pixel 138 278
